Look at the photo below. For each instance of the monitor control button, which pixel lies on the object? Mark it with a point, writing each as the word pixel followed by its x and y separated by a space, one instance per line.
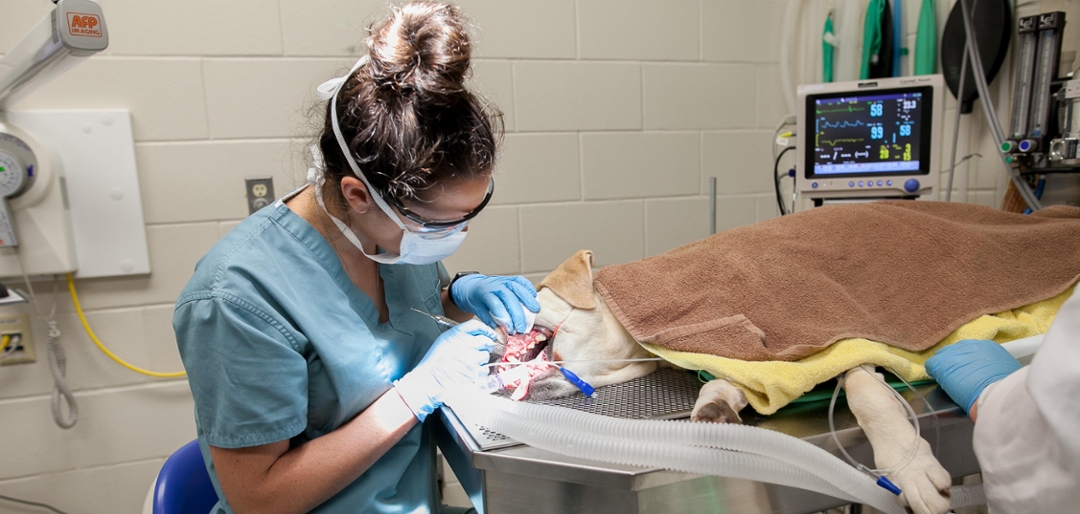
pixel 888 182
pixel 814 185
pixel 879 183
pixel 911 185
pixel 851 184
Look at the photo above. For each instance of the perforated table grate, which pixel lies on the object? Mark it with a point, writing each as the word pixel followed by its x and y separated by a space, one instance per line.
pixel 665 394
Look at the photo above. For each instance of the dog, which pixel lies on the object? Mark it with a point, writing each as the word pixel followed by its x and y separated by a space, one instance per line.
pixel 575 324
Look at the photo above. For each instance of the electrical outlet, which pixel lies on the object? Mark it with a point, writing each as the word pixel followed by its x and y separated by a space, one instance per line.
pixel 260 193
pixel 17 329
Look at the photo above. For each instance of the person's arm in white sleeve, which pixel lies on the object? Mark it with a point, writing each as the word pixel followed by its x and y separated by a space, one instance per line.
pixel 1026 434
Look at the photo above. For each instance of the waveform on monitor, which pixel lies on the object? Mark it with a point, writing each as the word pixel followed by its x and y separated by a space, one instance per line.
pixel 849 108
pixel 834 142
pixel 842 124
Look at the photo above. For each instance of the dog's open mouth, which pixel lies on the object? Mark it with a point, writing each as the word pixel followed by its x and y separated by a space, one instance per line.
pixel 532 348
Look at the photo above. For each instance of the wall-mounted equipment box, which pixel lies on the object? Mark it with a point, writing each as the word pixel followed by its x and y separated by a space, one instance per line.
pixel 87 207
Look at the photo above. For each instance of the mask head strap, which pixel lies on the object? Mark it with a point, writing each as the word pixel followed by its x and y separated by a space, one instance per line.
pixel 329 90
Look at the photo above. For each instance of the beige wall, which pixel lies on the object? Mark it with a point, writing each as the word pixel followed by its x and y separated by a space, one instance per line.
pixel 617 113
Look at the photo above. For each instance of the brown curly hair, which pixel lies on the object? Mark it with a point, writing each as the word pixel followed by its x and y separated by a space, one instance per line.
pixel 406 114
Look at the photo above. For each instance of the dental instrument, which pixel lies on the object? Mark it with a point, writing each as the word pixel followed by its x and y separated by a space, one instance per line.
pixel 448 323
pixel 443 321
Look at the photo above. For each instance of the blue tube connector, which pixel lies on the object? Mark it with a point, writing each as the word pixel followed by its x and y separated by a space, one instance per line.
pixel 584 386
pixel 888 486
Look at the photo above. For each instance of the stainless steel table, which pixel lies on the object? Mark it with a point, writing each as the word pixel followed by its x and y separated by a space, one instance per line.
pixel 502 476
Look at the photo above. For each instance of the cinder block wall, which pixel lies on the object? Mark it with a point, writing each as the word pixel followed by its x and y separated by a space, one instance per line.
pixel 617 113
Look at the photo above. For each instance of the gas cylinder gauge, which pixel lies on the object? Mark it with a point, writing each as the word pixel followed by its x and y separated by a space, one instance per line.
pixel 17 164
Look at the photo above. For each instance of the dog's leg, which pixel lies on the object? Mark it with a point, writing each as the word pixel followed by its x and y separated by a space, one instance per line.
pixel 720 402
pixel 924 482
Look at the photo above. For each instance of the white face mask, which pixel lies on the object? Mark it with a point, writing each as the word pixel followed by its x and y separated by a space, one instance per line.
pixel 415 248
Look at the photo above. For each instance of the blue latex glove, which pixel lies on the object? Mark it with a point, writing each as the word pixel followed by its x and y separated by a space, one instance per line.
pixel 456 359
pixel 497 301
pixel 966 368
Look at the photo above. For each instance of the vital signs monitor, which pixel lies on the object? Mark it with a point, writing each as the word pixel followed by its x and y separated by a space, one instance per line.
pixel 876 138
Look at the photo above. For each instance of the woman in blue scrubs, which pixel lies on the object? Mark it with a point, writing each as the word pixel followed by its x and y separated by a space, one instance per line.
pixel 311 373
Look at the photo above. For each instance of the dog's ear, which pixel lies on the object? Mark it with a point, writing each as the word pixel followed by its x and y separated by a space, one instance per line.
pixel 573 281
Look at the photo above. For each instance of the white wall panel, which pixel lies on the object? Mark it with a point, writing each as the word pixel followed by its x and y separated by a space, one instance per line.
pixel 165 96
pixel 193 27
pixel 266 97
pixel 699 96
pixel 538 168
pixel 577 96
pixel 616 29
pixel 640 164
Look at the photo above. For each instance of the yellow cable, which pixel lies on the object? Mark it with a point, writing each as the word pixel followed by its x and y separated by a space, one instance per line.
pixel 86 325
pixel 4 340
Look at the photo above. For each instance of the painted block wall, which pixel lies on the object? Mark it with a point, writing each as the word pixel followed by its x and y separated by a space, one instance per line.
pixel 617 113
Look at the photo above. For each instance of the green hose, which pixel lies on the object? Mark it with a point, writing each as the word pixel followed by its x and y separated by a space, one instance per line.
pixel 871 36
pixel 926 40
pixel 828 39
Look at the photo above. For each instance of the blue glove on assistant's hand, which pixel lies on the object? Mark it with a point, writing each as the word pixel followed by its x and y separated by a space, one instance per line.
pixel 456 359
pixel 497 301
pixel 966 368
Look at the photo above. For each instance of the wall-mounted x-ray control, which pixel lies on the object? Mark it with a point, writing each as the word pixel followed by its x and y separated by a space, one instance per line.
pixel 16 175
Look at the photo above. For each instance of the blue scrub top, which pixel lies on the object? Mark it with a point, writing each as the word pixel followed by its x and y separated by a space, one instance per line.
pixel 279 344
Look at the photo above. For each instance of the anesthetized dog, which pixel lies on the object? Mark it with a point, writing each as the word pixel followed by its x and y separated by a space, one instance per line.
pixel 586 329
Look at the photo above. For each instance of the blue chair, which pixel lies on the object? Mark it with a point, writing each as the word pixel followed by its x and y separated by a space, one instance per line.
pixel 183 485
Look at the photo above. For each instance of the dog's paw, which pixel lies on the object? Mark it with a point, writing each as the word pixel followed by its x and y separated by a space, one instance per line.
pixel 715 413
pixel 925 484
pixel 719 402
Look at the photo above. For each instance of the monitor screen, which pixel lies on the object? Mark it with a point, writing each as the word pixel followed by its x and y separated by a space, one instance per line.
pixel 882 132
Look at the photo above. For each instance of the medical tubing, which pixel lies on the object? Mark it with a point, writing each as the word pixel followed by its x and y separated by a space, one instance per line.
pixel 710 461
pixel 909 413
pixel 740 438
pixel 5 350
pixel 31 503
pixel 61 389
pixel 776 181
pixel 929 408
pixel 956 128
pixel 967 495
pixel 988 110
pixel 101 346
pixel 971 49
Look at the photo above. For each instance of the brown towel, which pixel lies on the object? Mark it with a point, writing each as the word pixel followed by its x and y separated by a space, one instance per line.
pixel 905 273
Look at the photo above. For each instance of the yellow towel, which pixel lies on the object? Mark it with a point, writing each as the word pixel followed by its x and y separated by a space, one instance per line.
pixel 770 385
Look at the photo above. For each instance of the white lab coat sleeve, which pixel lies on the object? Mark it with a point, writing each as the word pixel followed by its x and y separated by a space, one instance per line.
pixel 1027 437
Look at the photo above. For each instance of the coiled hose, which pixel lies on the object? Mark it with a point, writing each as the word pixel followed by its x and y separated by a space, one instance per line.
pixel 967 495
pixel 58 367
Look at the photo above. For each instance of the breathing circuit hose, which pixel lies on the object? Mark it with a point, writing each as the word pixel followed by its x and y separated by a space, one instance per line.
pixel 711 461
pixel 760 454
pixel 735 451
pixel 967 495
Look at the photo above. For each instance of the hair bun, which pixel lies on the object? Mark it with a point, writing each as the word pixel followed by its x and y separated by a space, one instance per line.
pixel 423 47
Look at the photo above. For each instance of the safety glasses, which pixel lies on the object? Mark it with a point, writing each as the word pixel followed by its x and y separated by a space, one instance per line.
pixel 429 226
